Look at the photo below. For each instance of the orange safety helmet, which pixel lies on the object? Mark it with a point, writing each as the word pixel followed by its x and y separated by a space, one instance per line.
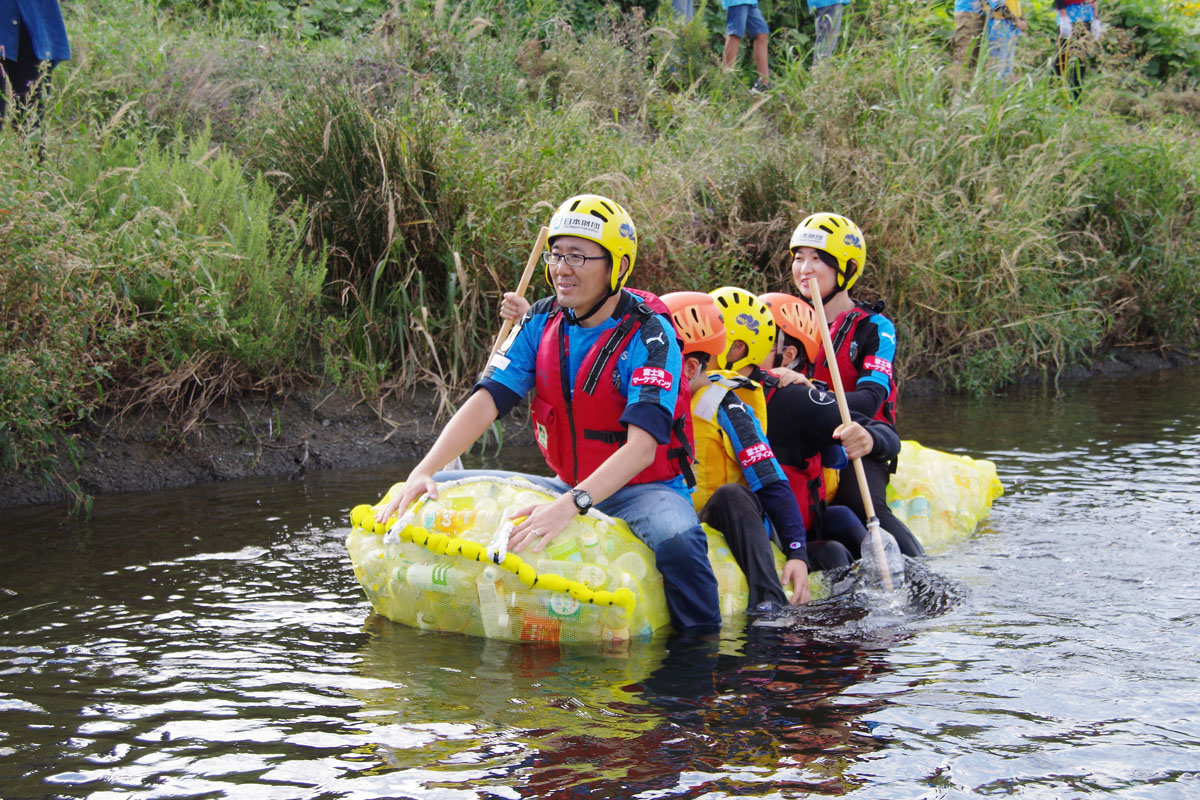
pixel 697 321
pixel 796 318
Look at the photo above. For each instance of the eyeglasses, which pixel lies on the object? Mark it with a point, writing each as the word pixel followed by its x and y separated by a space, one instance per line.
pixel 572 260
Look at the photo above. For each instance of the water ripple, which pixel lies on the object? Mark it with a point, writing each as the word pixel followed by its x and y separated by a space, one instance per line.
pixel 229 652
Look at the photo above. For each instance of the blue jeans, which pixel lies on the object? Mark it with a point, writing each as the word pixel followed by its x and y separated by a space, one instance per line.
pixel 666 522
pixel 828 22
pixel 745 21
pixel 1002 35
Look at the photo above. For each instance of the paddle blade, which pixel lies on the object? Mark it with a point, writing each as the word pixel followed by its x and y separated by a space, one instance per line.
pixel 882 567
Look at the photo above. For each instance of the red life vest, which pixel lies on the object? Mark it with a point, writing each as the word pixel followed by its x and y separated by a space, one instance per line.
pixel 805 476
pixel 808 485
pixel 842 333
pixel 577 423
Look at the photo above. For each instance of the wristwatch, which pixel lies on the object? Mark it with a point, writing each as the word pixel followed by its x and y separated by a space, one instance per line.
pixel 583 500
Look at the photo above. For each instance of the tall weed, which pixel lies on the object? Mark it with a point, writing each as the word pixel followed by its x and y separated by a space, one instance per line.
pixel 141 274
pixel 216 177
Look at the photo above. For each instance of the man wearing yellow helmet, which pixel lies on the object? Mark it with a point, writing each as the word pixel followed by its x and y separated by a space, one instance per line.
pixel 609 413
pixel 832 249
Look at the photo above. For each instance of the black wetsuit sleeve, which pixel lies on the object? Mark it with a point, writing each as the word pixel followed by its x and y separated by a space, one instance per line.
pixel 780 504
pixel 504 398
pixel 887 439
pixel 800 421
pixel 866 398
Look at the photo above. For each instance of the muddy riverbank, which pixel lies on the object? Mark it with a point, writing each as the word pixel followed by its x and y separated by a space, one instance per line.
pixel 310 429
pixel 250 436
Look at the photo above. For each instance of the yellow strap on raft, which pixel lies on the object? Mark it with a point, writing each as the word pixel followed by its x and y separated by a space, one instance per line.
pixel 439 543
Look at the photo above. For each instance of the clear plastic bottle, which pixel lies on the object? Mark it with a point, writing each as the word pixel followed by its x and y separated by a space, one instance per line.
pixel 593 575
pixel 565 547
pixel 487 521
pixel 447 520
pixel 441 578
pixel 567 569
pixel 562 606
pixel 497 622
pixel 632 563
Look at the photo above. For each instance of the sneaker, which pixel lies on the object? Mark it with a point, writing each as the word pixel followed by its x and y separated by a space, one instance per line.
pixel 768 608
pixel 760 87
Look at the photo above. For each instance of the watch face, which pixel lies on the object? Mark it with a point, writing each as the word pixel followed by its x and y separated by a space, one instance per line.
pixel 583 500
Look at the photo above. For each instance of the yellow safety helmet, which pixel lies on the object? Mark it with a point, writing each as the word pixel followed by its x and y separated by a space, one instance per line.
pixel 747 319
pixel 605 222
pixel 697 321
pixel 837 236
pixel 796 318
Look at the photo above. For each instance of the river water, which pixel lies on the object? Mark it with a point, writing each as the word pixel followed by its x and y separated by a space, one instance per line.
pixel 212 642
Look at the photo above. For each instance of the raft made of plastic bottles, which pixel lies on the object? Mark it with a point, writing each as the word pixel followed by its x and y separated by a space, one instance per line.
pixel 941 497
pixel 445 566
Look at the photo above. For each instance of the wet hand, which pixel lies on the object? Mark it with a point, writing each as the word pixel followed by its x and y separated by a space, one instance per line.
pixel 414 487
pixel 541 524
pixel 855 438
pixel 795 572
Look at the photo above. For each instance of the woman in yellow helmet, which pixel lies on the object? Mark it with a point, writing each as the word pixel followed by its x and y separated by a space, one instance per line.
pixel 833 250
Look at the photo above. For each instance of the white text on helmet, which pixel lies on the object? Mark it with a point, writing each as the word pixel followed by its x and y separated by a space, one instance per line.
pixel 568 223
pixel 810 238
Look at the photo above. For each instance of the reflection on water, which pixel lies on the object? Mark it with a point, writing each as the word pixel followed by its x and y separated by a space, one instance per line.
pixel 546 721
pixel 212 642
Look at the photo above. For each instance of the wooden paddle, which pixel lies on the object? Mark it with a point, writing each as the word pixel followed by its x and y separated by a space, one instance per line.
pixel 874 532
pixel 535 256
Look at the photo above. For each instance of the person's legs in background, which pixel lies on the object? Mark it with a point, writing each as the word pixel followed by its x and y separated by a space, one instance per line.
pixel 828 23
pixel 735 30
pixel 23 80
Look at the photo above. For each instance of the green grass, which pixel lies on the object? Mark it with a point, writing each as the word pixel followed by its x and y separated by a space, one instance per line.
pixel 233 197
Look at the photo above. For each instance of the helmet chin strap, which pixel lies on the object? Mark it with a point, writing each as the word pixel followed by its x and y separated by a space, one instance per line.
pixel 576 319
pixel 842 279
pixel 778 360
pixel 825 298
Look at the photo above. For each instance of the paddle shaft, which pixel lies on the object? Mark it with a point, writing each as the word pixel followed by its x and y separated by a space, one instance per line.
pixel 534 257
pixel 844 409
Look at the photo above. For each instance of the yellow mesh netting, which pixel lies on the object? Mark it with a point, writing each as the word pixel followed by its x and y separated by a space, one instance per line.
pixel 595 582
pixel 941 496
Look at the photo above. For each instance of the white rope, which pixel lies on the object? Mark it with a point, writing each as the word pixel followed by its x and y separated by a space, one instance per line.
pixel 497 548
